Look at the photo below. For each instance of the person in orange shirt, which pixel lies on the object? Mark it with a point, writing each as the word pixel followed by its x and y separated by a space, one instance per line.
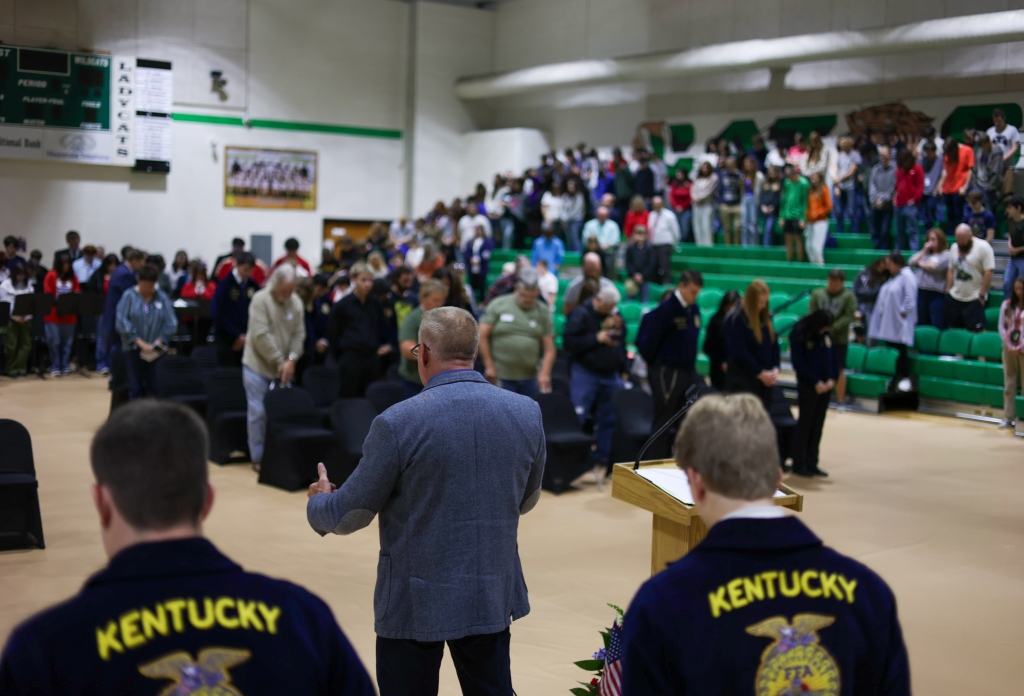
pixel 819 207
pixel 957 163
pixel 60 330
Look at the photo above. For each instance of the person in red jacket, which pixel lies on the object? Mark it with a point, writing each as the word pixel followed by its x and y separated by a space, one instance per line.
pixel 291 248
pixel 60 330
pixel 909 190
pixel 681 202
pixel 199 286
pixel 637 215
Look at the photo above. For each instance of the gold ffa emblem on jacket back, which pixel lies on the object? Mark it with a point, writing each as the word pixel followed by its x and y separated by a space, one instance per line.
pixel 795 663
pixel 206 677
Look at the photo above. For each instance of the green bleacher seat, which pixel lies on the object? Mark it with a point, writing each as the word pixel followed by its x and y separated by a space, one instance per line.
pixel 563 285
pixel 657 290
pixel 935 388
pixel 701 335
pixel 993 396
pixel 968 392
pixel 776 299
pixel 855 354
pixel 969 371
pixel 703 365
pixel 709 299
pixel 926 339
pixel 632 329
pixel 1019 406
pixel 571 258
pixel 992 318
pixel 647 306
pixel 934 366
pixel 871 386
pixel 800 306
pixel 630 311
pixel 955 342
pixel 994 374
pixel 988 346
pixel 784 321
pixel 621 287
pixel 881 361
pixel 559 323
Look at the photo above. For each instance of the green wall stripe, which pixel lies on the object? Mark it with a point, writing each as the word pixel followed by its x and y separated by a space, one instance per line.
pixel 291 125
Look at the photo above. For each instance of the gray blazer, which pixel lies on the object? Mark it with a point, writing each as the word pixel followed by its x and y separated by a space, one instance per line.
pixel 449 471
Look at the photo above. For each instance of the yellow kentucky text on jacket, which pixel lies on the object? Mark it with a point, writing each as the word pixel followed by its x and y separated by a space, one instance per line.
pixel 136 627
pixel 739 592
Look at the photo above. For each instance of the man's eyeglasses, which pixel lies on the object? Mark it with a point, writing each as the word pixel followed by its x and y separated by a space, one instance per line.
pixel 416 350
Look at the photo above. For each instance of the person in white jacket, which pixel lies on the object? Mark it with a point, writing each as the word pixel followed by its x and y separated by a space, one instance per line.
pixel 18 339
pixel 895 314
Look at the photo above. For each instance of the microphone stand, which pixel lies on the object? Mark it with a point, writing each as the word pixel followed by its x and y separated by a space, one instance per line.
pixel 692 394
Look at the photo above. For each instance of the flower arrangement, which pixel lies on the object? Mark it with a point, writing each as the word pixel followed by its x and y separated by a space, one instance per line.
pixel 596 664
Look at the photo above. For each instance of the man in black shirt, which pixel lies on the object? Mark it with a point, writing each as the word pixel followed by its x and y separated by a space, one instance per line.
pixel 74 250
pixel 641 262
pixel 595 339
pixel 356 334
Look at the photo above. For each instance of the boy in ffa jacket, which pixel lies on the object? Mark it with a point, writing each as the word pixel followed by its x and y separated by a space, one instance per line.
pixel 817 369
pixel 760 606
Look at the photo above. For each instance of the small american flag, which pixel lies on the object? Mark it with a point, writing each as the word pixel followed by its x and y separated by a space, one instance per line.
pixel 611 681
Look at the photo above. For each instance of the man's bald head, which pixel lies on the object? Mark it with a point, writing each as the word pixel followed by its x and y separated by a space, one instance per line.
pixel 592 265
pixel 964 236
pixel 601 213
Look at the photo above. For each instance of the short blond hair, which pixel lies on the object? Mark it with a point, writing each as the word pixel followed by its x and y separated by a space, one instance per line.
pixel 451 333
pixel 359 268
pixel 730 441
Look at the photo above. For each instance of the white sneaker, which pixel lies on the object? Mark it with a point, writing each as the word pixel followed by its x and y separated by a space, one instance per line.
pixel 904 385
pixel 842 408
pixel 55 373
pixel 1006 423
pixel 66 372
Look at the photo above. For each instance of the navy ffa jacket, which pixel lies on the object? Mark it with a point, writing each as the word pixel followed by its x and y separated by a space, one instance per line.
pixel 668 335
pixel 230 307
pixel 580 339
pixel 762 607
pixel 180 614
pixel 814 359
pixel 743 349
pixel 121 280
pixel 318 322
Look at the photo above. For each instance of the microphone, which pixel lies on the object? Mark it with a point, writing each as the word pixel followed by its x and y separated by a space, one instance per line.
pixel 692 394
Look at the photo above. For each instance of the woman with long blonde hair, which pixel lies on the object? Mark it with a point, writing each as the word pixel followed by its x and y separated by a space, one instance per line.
pixel 752 346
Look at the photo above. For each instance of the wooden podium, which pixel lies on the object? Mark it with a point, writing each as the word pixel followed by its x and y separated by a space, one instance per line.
pixel 677 526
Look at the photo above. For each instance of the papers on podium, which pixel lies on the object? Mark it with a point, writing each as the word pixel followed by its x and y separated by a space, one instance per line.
pixel 674 482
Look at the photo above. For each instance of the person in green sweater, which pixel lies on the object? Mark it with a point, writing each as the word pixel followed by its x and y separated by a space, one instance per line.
pixel 843 305
pixel 793 211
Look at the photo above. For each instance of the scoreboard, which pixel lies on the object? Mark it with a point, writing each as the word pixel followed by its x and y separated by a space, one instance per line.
pixel 81 107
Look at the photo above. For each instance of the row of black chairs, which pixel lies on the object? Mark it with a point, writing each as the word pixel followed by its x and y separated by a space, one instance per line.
pixel 21 523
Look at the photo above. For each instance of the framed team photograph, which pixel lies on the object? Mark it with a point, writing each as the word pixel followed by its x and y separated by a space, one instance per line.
pixel 261 178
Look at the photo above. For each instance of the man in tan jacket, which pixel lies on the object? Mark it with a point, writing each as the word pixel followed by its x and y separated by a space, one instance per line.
pixel 273 344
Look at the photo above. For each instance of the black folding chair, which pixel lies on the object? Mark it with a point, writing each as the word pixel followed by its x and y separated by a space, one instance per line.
pixel 384 395
pixel 323 383
pixel 226 414
pixel 179 378
pixel 350 420
pixel 118 379
pixel 295 442
pixel 205 357
pixel 634 418
pixel 20 521
pixel 568 447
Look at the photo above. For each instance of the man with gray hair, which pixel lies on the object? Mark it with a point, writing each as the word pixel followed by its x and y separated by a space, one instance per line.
pixel 273 344
pixel 591 269
pixel 596 339
pixel 514 332
pixel 449 471
pixel 760 605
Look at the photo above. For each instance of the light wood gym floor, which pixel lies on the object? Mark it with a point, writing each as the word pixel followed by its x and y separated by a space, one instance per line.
pixel 935 505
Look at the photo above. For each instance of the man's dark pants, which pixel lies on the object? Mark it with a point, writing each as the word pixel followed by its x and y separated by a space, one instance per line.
pixel 965 315
pixel 668 386
pixel 410 667
pixel 356 373
pixel 806 440
pixel 227 356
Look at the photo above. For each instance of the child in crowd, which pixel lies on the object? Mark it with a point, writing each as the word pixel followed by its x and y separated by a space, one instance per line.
pixel 981 221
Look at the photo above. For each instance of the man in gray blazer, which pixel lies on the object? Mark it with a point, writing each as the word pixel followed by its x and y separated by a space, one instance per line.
pixel 449 471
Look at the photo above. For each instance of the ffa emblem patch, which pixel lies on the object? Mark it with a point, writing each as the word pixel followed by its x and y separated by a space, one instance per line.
pixel 828 341
pixel 250 292
pixel 795 663
pixel 696 321
pixel 207 677
pixel 325 308
pixel 234 294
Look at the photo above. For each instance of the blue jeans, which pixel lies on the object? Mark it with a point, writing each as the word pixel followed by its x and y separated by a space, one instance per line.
pixel 59 338
pixel 572 237
pixel 1014 269
pixel 685 218
pixel 931 308
pixel 643 292
pixel 524 387
pixel 849 203
pixel 101 352
pixel 591 392
pixel 881 227
pixel 409 389
pixel 931 209
pixel 507 227
pixel 256 387
pixel 141 375
pixel 768 225
pixel 954 210
pixel 749 221
pixel 906 227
